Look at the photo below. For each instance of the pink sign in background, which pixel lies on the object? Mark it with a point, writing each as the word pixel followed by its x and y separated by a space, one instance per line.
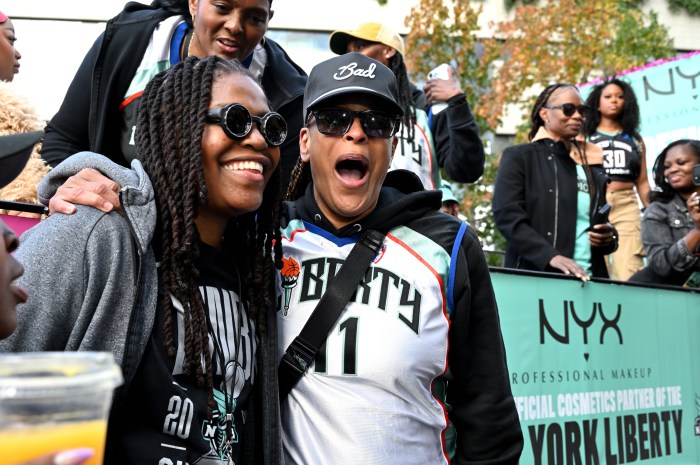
pixel 19 224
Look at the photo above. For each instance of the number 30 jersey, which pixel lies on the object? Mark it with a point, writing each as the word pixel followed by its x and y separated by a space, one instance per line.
pixel 621 155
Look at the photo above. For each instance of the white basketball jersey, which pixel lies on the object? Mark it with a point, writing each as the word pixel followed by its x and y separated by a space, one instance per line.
pixel 367 399
pixel 418 156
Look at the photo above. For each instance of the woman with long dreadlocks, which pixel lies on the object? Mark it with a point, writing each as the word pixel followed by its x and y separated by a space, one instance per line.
pixel 180 285
pixel 549 194
pixel 451 139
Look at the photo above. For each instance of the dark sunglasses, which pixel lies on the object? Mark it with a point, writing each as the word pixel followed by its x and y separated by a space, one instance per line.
pixel 337 122
pixel 237 122
pixel 569 109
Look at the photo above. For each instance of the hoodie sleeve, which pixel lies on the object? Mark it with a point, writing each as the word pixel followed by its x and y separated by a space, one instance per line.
pixel 80 276
pixel 458 142
pixel 483 411
pixel 73 165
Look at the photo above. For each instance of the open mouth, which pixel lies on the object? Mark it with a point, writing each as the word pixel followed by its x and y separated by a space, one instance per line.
pixel 352 169
pixel 229 46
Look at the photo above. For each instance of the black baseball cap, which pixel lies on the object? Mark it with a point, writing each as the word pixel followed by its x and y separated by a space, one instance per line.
pixel 15 150
pixel 351 73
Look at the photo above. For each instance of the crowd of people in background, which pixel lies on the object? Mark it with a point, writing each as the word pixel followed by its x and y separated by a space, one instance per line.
pixel 204 179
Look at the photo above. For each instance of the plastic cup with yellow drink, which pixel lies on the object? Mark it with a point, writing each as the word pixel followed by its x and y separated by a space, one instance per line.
pixel 54 401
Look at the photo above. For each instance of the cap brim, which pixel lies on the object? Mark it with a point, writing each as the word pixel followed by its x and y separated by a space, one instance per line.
pixel 15 150
pixel 338 42
pixel 355 90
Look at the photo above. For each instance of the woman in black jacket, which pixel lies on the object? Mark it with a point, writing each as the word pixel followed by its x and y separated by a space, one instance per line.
pixel 550 193
pixel 98 112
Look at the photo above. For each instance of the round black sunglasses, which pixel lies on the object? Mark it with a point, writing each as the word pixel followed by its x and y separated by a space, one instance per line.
pixel 237 122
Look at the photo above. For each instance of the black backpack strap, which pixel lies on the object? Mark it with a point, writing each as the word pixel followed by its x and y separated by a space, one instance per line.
pixel 302 351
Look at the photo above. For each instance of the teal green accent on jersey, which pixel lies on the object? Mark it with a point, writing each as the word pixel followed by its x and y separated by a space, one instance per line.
pixel 439 260
pixel 431 252
pixel 144 76
pixel 582 249
pixel 293 225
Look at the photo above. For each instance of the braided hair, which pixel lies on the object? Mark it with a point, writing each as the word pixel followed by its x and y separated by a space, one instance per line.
pixel 536 121
pixel 298 180
pixel 629 117
pixel 170 124
pixel 666 192
pixel 398 67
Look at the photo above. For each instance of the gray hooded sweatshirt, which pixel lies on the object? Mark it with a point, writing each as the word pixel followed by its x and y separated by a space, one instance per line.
pixel 91 275
pixel 93 286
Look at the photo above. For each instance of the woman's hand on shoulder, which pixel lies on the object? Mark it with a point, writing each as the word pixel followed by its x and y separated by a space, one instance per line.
pixel 88 187
pixel 569 267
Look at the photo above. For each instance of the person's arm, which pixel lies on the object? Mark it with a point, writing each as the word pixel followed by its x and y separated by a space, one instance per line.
pixel 457 139
pixel 483 411
pixel 642 182
pixel 68 131
pixel 665 256
pixel 92 188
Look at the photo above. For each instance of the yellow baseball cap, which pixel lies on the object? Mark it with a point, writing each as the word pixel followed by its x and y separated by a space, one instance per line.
pixel 373 32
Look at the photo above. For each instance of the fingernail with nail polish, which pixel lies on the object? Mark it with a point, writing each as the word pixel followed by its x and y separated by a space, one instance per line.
pixel 73 456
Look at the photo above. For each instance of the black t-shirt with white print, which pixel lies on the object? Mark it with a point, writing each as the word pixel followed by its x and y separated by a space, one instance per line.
pixel 165 419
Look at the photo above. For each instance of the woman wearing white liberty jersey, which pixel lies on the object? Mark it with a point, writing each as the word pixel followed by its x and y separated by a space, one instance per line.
pixel 404 361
